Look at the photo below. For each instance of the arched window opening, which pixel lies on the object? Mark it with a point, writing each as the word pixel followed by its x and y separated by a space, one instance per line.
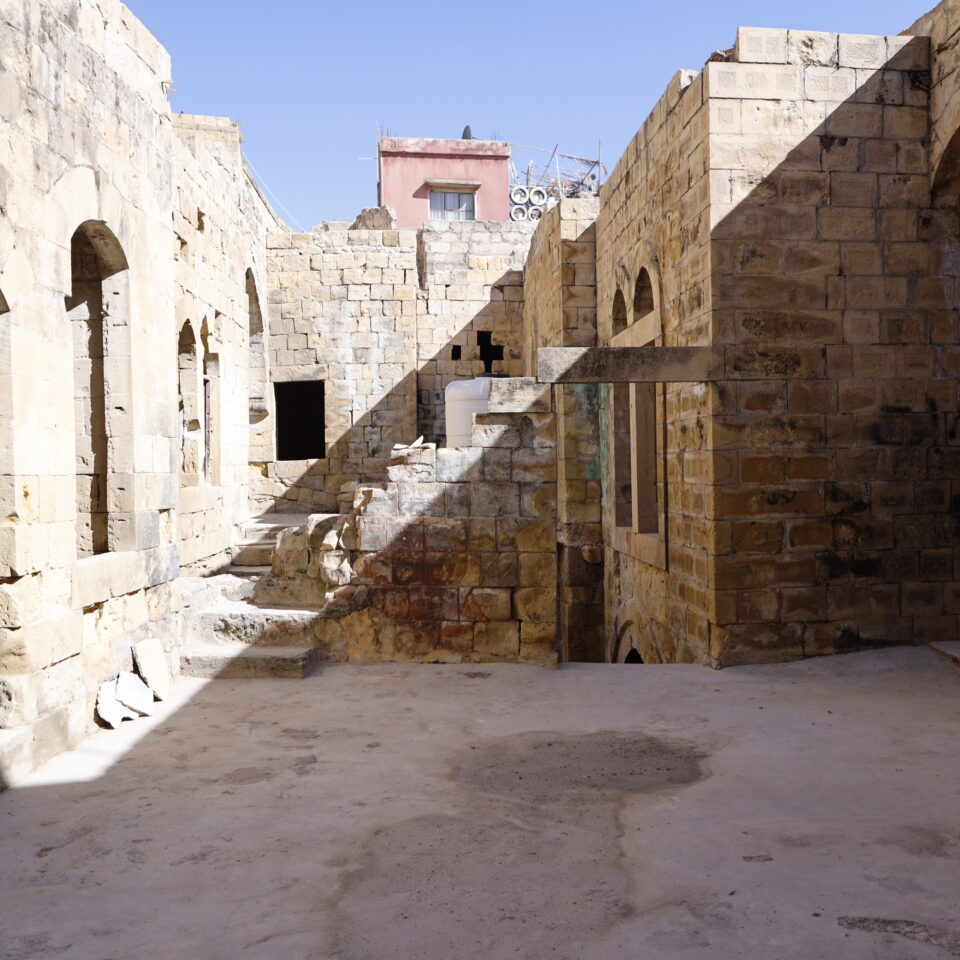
pixel 257 361
pixel 619 313
pixel 643 302
pixel 188 383
pixel 98 312
pixel 633 656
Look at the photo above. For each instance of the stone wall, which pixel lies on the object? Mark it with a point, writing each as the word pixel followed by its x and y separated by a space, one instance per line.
pixel 378 316
pixel 560 310
pixel 472 275
pixel 941 25
pixel 344 311
pixel 777 201
pixel 220 225
pixel 451 559
pixel 654 218
pixel 830 509
pixel 96 180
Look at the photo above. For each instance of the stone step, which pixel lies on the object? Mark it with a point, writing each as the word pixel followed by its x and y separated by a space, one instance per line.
pixel 265 527
pixel 253 553
pixel 198 593
pixel 237 661
pixel 949 650
pixel 237 622
pixel 249 572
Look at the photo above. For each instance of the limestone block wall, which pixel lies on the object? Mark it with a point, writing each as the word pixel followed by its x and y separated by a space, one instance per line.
pixel 786 203
pixel 344 311
pixel 830 510
pixel 941 25
pixel 560 310
pixel 94 174
pixel 68 160
pixel 378 315
pixel 653 236
pixel 472 276
pixel 453 558
pixel 221 224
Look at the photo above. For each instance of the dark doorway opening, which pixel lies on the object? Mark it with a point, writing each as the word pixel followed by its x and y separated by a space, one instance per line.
pixel 300 420
pixel 633 657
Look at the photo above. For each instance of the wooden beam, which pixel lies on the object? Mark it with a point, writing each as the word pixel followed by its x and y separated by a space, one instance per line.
pixel 678 364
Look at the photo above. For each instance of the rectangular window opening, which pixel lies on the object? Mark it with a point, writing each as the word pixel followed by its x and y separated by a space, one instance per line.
pixel 445 205
pixel 636 497
pixel 300 420
pixel 643 412
pixel 622 482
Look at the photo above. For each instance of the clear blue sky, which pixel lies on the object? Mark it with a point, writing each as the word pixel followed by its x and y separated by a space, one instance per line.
pixel 310 80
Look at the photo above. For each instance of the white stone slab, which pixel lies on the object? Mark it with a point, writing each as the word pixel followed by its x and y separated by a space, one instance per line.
pixel 133 693
pixel 152 664
pixel 110 710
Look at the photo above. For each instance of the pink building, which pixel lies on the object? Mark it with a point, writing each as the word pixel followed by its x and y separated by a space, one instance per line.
pixel 444 179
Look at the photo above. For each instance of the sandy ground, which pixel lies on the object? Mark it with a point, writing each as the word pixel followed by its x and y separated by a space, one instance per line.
pixel 801 811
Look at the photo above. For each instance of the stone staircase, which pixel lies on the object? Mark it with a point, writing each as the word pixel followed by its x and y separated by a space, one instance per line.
pixel 256 538
pixel 228 636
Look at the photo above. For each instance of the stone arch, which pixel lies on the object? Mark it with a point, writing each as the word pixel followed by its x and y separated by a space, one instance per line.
pixel 942 223
pixel 257 359
pixel 634 632
pixel 946 179
pixel 644 301
pixel 98 308
pixel 619 314
pixel 189 398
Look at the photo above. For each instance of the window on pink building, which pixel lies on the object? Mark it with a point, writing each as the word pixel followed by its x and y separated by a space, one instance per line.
pixel 451 206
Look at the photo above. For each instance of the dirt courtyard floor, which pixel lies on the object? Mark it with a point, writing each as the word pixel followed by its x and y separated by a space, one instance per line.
pixel 790 812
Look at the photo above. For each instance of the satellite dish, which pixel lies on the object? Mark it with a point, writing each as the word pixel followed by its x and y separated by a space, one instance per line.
pixel 467 133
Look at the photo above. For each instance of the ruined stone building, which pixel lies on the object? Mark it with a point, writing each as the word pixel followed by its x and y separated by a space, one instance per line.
pixel 725 430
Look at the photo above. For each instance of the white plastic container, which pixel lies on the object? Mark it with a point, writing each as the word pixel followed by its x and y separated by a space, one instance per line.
pixel 462 399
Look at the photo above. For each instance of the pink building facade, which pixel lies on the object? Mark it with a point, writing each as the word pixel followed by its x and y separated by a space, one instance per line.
pixel 444 179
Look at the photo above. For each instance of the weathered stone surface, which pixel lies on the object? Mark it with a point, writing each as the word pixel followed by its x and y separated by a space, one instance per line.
pixel 375 218
pixel 134 694
pixel 153 665
pixel 109 709
pixel 754 445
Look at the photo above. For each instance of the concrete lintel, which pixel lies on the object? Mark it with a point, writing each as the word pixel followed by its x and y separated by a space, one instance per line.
pixel 678 364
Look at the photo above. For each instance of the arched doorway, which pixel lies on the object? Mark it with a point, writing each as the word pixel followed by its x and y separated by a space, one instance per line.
pixel 98 310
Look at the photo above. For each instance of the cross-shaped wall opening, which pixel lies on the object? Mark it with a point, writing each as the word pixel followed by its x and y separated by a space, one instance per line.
pixel 489 351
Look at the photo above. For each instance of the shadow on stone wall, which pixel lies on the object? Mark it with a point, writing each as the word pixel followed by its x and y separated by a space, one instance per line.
pixel 831 513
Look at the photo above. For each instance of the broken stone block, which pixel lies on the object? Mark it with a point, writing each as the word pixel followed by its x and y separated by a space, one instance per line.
pixel 109 709
pixel 152 664
pixel 134 694
pixel 330 541
pixel 336 569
